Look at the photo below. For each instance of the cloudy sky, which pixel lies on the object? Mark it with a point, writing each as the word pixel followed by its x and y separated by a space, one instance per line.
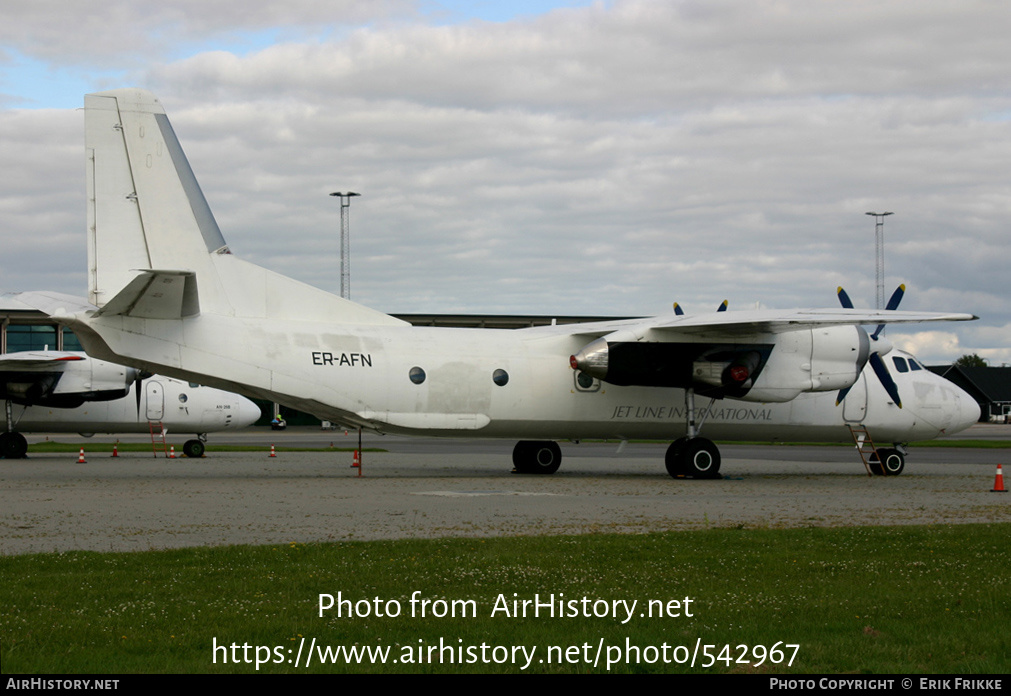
pixel 554 156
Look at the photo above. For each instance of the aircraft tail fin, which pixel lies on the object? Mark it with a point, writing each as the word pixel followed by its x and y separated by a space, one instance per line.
pixel 144 204
pixel 152 240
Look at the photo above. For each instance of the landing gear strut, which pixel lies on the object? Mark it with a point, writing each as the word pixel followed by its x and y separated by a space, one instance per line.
pixel 693 456
pixel 536 457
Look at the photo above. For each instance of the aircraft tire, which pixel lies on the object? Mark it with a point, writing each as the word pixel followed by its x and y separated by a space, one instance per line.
pixel 700 458
pixel 193 449
pixel 891 463
pixel 13 446
pixel 673 461
pixel 537 457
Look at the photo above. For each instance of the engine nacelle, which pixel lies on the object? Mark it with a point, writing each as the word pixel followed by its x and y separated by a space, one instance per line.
pixel 812 360
pixel 773 367
pixel 95 380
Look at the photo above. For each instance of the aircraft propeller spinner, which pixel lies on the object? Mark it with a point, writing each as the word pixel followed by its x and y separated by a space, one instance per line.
pixel 879 346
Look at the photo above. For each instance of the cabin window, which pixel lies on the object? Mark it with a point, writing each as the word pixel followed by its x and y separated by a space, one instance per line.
pixel 183 398
pixel 417 375
pixel 500 377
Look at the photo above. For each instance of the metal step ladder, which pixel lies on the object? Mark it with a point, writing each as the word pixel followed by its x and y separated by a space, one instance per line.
pixel 158 438
pixel 865 446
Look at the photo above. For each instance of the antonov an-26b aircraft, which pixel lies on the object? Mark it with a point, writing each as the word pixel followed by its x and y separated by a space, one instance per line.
pixel 167 295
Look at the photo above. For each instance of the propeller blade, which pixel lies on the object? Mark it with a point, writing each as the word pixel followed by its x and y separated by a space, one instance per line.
pixel 136 387
pixel 893 303
pixel 842 394
pixel 844 299
pixel 896 298
pixel 878 363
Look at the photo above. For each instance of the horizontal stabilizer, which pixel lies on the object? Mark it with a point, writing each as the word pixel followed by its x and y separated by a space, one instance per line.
pixel 54 304
pixel 156 295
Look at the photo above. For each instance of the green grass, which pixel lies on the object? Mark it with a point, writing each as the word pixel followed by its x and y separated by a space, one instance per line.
pixel 886 600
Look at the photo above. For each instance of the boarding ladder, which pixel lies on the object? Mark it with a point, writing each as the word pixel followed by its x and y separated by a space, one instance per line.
pixel 158 437
pixel 865 446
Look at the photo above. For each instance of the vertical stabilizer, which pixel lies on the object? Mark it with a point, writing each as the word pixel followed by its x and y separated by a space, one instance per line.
pixel 145 208
pixel 154 249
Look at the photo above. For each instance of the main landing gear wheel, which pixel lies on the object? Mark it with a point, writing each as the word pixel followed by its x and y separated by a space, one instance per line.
pixel 13 446
pixel 888 462
pixel 193 448
pixel 694 457
pixel 537 457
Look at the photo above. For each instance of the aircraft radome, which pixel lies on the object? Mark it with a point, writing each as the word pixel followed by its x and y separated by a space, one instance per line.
pixel 167 295
pixel 68 392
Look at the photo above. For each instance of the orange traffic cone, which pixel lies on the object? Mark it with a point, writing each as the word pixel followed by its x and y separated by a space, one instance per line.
pixel 80 457
pixel 272 451
pixel 115 451
pixel 998 483
pixel 356 463
pixel 172 452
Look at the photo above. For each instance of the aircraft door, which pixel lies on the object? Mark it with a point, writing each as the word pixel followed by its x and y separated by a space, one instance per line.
pixel 155 400
pixel 855 404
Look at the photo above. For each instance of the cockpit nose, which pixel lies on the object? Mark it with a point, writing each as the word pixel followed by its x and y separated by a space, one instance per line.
pixel 249 413
pixel 968 412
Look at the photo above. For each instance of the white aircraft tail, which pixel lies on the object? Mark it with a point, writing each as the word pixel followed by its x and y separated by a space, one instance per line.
pixel 154 248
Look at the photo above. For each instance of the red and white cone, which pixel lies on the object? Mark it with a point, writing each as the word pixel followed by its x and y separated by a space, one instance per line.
pixel 80 457
pixel 998 483
pixel 356 463
pixel 115 450
pixel 272 454
pixel 172 452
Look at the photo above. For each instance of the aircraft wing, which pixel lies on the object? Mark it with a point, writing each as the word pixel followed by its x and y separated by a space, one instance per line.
pixel 755 355
pixel 61 379
pixel 36 361
pixel 779 321
pixel 734 325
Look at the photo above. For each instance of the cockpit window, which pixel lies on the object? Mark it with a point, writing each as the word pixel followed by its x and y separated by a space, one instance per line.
pixel 914 366
pixel 900 364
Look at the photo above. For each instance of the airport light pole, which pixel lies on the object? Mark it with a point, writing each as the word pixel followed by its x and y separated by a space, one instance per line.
pixel 345 241
pixel 879 248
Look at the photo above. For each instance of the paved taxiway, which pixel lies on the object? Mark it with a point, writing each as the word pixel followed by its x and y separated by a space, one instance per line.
pixel 427 488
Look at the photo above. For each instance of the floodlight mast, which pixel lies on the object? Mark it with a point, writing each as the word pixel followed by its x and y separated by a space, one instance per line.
pixel 879 249
pixel 345 241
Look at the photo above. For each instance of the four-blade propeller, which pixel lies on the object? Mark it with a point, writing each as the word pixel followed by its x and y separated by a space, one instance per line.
pixel 879 347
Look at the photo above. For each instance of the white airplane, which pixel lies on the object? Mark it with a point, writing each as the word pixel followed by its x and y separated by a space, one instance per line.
pixel 68 392
pixel 166 294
